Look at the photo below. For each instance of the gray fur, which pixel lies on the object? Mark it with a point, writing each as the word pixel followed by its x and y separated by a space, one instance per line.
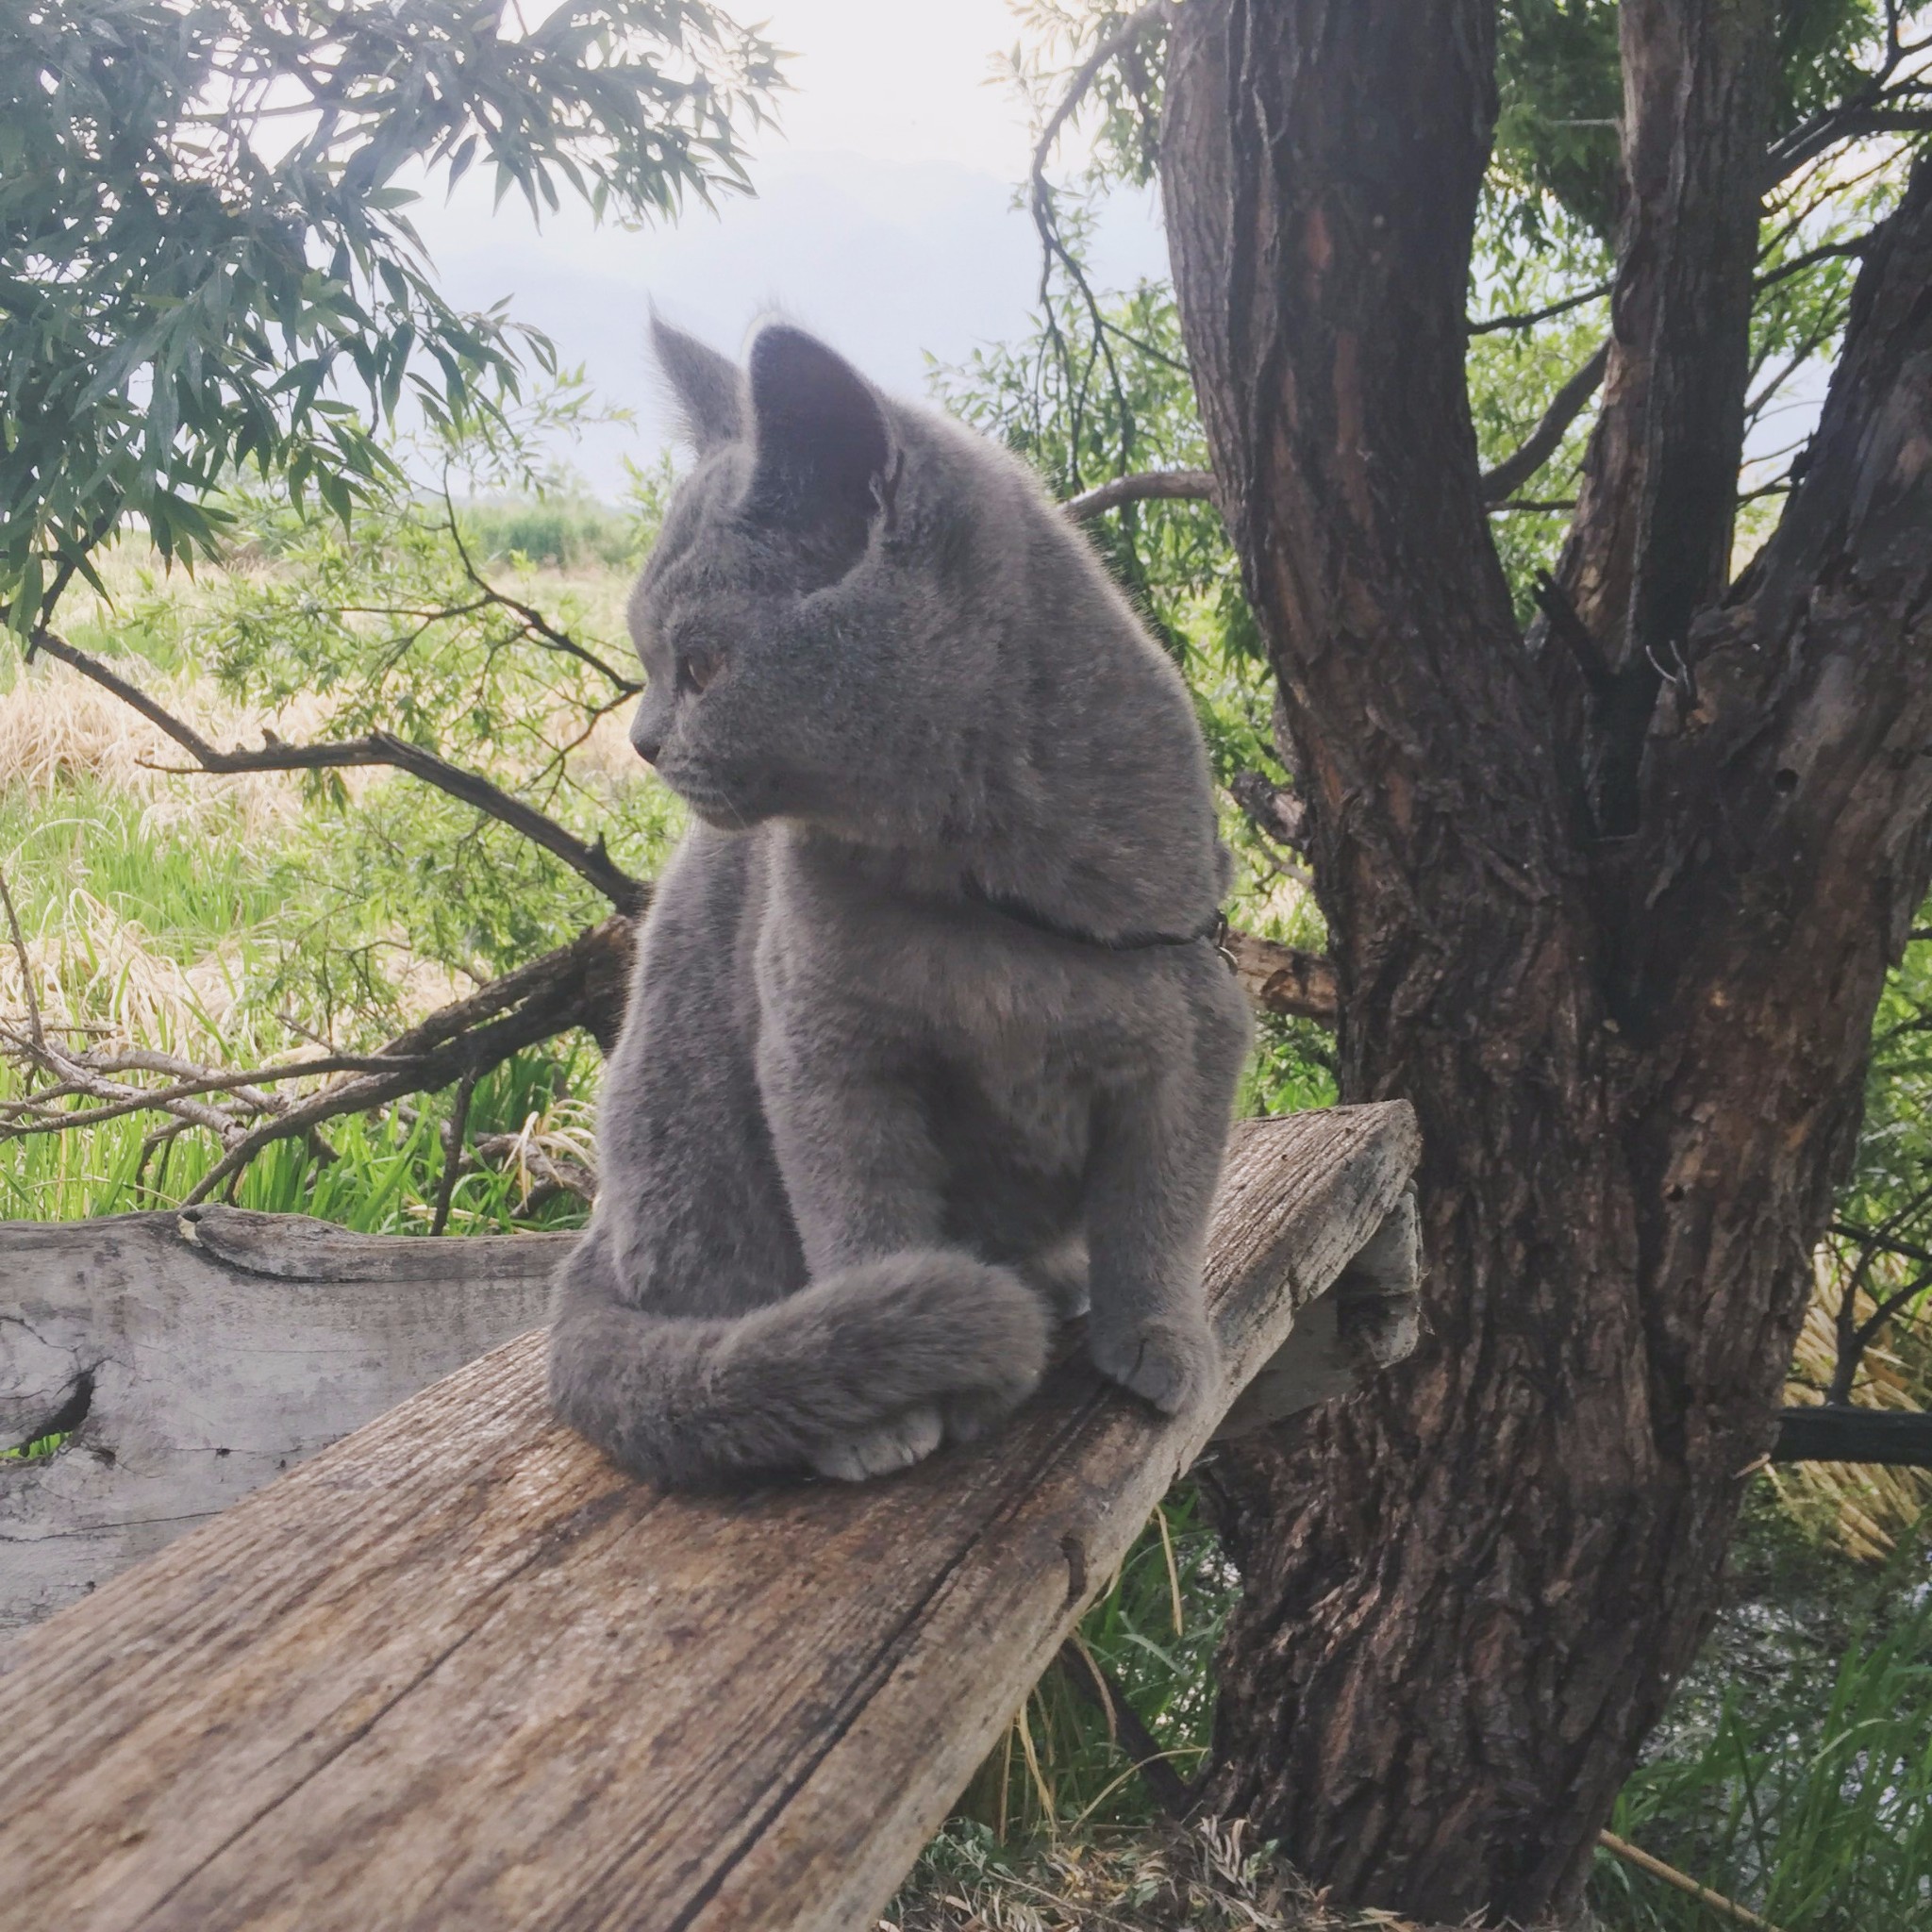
pixel 887 1101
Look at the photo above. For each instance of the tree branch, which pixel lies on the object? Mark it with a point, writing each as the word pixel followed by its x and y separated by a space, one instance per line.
pixel 1882 1237
pixel 1277 811
pixel 1501 483
pixel 1899 1438
pixel 1096 1687
pixel 1498 485
pixel 543 1173
pixel 36 1114
pixel 591 863
pixel 1650 545
pixel 1826 250
pixel 1054 248
pixel 582 984
pixel 26 969
pixel 1148 486
pixel 1570 630
pixel 1532 317
pixel 534 622
pixel 1110 48
pixel 574 985
pixel 1284 979
pixel 1874 106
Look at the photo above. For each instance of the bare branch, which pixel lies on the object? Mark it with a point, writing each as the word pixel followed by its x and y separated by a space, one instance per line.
pixel 1498 484
pixel 1284 979
pixel 1501 483
pixel 378 748
pixel 1882 1237
pixel 74 1077
pixel 36 1115
pixel 1148 486
pixel 1534 316
pixel 26 969
pixel 452 1150
pixel 1874 106
pixel 1568 627
pixel 1827 251
pixel 1808 345
pixel 1277 811
pixel 544 1174
pixel 1869 1330
pixel 1838 1432
pixel 1801 147
pixel 1646 1861
pixel 534 622
pixel 578 985
pixel 582 984
pixel 1096 1687
pixel 1851 1338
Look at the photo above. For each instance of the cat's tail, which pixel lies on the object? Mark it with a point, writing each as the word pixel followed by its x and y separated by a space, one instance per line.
pixel 851 1376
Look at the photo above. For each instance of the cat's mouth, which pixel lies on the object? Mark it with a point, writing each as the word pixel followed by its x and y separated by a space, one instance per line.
pixel 717 807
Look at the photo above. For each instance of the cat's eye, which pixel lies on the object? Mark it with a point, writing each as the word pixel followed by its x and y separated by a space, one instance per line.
pixel 695 669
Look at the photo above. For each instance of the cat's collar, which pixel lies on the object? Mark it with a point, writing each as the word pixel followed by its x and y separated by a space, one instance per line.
pixel 1210 931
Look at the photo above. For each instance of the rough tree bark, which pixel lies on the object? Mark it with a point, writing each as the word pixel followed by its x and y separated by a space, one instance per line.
pixel 1618 939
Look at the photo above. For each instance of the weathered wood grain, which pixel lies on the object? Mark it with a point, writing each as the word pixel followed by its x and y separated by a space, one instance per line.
pixel 458 1672
pixel 199 1354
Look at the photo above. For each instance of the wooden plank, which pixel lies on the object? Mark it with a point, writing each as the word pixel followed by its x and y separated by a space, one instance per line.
pixel 198 1355
pixel 458 1672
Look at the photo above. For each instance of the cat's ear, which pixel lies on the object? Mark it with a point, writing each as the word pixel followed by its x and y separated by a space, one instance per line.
pixel 822 451
pixel 707 386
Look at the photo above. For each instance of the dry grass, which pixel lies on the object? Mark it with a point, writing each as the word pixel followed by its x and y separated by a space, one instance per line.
pixel 58 728
pixel 63 739
pixel 1205 1879
pixel 93 969
pixel 60 734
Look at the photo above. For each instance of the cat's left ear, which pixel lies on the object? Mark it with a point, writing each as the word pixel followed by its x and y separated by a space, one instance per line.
pixel 703 384
pixel 822 451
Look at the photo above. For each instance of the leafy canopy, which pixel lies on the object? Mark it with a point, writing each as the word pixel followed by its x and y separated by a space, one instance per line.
pixel 1560 94
pixel 203 237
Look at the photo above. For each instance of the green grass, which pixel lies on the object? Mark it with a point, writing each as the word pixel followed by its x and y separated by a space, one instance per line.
pixel 564 532
pixel 1820 1820
pixel 1793 1769
pixel 380 1173
pixel 192 894
pixel 1057 1771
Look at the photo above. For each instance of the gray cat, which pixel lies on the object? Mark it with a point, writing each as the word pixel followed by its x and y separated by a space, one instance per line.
pixel 929 1039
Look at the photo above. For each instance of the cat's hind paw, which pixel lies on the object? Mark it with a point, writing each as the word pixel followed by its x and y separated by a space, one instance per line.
pixel 910 1437
pixel 972 1418
pixel 1059 1276
pixel 1170 1364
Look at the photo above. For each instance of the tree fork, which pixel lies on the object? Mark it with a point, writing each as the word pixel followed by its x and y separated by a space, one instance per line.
pixel 1469 1591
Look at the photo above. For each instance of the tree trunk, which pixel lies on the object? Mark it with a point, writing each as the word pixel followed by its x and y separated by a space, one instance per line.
pixel 1637 1059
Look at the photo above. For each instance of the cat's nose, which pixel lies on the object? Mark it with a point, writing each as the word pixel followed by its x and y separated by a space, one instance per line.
pixel 646 743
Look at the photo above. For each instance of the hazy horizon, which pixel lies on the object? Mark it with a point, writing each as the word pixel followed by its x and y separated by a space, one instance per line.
pixel 884 217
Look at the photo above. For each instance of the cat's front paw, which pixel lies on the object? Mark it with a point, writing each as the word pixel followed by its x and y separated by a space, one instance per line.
pixel 909 1437
pixel 1171 1363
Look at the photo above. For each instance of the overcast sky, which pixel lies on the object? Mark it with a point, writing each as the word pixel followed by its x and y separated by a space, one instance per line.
pixel 883 218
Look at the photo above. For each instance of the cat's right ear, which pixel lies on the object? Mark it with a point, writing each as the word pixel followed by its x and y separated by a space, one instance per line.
pixel 708 387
